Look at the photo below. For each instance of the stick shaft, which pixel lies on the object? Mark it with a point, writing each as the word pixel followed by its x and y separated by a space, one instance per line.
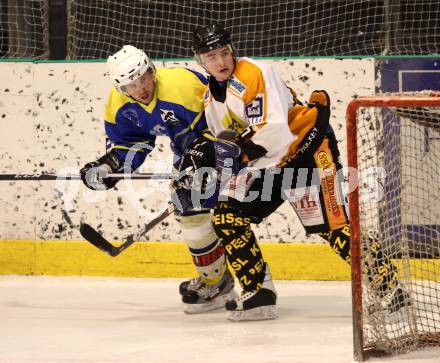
pixel 96 238
pixel 140 176
pixel 134 238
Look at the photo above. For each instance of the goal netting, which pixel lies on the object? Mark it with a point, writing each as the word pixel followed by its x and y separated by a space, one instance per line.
pixel 98 28
pixel 24 29
pixel 394 143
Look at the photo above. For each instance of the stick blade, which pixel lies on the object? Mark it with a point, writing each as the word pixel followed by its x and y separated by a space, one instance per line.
pixel 95 238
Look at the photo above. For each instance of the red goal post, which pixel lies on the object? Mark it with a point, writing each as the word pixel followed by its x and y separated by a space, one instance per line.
pixel 388 135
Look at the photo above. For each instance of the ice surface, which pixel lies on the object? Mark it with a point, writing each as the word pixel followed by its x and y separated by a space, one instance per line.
pixel 73 319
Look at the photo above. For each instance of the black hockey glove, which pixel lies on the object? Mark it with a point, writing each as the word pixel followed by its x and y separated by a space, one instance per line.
pixel 181 197
pixel 197 176
pixel 94 174
pixel 227 152
pixel 319 98
pixel 238 149
pixel 200 154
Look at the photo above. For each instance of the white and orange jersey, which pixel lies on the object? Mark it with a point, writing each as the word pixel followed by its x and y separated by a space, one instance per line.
pixel 256 98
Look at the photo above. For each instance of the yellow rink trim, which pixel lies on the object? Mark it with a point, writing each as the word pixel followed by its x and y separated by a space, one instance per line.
pixel 295 261
pixel 421 269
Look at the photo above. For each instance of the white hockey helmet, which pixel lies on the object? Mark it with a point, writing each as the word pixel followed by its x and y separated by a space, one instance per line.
pixel 127 65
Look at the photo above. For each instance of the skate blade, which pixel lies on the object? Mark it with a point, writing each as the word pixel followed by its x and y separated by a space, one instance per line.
pixel 214 304
pixel 268 312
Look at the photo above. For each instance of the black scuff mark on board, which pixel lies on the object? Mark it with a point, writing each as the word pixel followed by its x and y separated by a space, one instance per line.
pixel 67 218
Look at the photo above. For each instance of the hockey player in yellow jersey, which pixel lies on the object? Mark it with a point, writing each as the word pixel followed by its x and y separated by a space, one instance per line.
pixel 270 148
pixel 146 103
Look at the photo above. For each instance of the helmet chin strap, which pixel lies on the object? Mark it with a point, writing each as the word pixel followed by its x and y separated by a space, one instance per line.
pixel 199 61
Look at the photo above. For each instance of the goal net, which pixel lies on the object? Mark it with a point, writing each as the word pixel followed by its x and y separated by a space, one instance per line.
pixel 98 28
pixel 24 29
pixel 394 144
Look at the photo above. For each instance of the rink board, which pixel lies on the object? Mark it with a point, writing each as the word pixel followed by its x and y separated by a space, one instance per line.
pixel 53 117
pixel 153 259
pixel 172 260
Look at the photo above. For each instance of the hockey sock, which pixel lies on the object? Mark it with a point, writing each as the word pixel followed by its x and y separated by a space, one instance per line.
pixel 206 250
pixel 242 251
pixel 378 267
pixel 339 240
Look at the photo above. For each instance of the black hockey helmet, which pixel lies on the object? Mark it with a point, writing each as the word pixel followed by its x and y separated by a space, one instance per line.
pixel 209 37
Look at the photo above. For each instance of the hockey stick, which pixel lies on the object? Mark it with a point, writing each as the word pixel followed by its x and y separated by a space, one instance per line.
pixel 96 239
pixel 141 176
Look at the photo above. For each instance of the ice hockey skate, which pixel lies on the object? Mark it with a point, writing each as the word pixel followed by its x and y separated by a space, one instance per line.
pixel 396 299
pixel 199 297
pixel 393 301
pixel 254 305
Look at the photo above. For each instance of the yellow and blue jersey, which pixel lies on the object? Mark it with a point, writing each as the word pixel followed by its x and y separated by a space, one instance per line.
pixel 176 111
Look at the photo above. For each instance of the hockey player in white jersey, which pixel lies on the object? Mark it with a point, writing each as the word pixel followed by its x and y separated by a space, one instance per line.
pixel 264 135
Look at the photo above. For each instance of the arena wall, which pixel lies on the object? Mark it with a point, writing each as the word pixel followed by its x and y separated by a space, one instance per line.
pixel 52 123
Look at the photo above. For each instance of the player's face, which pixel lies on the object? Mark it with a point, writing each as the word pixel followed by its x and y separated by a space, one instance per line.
pixel 142 89
pixel 219 63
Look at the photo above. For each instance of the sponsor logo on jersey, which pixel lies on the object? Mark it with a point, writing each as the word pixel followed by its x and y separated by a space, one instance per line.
pixel 236 87
pixel 305 201
pixel 254 110
pixel 169 118
pixel 324 161
pixel 328 183
pixel 158 130
pixel 132 116
pixel 233 124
